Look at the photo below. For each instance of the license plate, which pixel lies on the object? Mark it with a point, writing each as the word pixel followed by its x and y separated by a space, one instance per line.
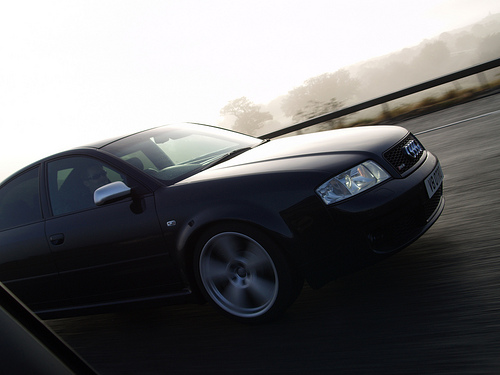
pixel 434 180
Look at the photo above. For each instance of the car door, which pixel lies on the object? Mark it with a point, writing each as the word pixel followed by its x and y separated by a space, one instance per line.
pixel 26 264
pixel 105 253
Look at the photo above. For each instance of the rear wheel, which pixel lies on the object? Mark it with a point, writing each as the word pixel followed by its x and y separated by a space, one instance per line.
pixel 243 274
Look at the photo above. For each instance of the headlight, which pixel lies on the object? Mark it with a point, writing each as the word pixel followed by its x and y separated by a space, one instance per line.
pixel 352 182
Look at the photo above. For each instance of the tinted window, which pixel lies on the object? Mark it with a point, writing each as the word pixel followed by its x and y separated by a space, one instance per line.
pixel 20 201
pixel 73 180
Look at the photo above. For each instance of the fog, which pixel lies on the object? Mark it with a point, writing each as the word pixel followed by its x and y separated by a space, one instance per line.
pixel 72 73
pixel 445 53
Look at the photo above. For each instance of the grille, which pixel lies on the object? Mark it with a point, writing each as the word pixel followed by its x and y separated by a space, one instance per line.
pixel 432 204
pixel 399 159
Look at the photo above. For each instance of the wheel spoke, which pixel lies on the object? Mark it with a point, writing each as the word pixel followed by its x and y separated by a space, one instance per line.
pixel 225 248
pixel 216 270
pixel 261 290
pixel 236 296
pixel 256 259
pixel 239 275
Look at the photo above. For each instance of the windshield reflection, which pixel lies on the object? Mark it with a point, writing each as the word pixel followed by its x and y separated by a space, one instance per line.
pixel 174 152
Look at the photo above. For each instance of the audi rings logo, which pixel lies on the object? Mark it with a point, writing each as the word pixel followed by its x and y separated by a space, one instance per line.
pixel 413 149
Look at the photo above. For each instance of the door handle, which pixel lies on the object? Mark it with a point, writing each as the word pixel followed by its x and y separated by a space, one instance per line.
pixel 56 239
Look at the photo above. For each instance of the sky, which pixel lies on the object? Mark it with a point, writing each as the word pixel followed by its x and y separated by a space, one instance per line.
pixel 73 72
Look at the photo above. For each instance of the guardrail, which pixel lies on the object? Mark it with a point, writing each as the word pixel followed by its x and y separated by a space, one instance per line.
pixel 386 98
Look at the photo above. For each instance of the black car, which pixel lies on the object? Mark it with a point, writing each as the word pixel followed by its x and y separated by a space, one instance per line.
pixel 188 210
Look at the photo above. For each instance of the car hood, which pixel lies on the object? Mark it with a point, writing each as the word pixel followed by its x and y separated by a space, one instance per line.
pixel 324 151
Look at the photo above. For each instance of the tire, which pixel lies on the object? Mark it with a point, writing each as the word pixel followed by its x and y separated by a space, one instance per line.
pixel 244 275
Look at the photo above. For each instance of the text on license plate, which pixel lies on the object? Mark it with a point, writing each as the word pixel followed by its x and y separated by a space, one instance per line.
pixel 434 180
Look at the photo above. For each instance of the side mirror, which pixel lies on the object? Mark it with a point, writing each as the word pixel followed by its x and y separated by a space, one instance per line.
pixel 112 191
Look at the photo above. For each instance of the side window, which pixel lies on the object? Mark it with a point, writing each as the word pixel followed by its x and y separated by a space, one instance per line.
pixel 73 180
pixel 20 200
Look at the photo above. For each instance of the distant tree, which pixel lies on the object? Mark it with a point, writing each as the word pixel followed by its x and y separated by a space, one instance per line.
pixel 315 109
pixel 432 60
pixel 446 37
pixel 466 41
pixel 489 47
pixel 386 77
pixel 479 30
pixel 435 52
pixel 321 92
pixel 249 118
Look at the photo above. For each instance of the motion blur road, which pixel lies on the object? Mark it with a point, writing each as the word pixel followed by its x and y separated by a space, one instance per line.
pixel 434 308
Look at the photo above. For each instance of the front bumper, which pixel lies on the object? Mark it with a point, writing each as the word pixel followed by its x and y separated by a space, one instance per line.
pixel 373 225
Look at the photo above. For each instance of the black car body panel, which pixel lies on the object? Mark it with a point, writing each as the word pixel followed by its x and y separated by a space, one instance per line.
pixel 140 248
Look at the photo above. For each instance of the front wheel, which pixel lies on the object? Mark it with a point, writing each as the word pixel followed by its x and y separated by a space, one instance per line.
pixel 243 274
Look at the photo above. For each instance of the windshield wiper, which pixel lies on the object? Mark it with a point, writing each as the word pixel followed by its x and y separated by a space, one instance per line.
pixel 228 155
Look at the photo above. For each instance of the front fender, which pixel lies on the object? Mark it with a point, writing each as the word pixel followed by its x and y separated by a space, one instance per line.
pixel 255 215
pixel 184 220
pixel 279 204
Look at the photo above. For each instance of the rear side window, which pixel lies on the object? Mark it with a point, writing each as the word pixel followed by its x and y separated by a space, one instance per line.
pixel 20 200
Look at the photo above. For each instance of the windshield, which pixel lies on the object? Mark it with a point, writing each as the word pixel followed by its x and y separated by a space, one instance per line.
pixel 174 152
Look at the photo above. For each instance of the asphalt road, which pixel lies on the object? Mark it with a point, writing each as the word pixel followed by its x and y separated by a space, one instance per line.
pixel 433 308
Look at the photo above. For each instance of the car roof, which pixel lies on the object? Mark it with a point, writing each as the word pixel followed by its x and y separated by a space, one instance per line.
pixel 107 141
